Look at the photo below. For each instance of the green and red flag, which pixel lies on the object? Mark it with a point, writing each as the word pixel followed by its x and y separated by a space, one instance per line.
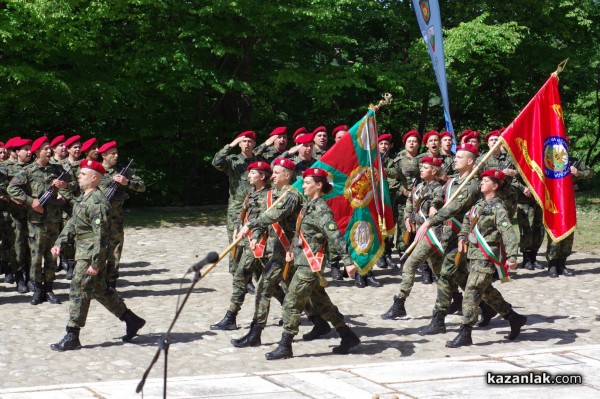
pixel 360 198
pixel 537 142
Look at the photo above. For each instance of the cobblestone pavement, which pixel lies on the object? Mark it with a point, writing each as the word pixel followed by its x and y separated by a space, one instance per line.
pixel 562 314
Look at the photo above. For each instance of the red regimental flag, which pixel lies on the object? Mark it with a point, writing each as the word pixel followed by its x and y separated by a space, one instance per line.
pixel 537 142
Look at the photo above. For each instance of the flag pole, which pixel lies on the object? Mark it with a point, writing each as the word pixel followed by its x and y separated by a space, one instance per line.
pixel 560 68
pixel 386 100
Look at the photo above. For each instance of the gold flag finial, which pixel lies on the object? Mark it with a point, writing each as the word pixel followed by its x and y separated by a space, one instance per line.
pixel 560 68
pixel 386 100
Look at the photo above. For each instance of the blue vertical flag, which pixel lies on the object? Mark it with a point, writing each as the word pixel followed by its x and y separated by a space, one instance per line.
pixel 430 23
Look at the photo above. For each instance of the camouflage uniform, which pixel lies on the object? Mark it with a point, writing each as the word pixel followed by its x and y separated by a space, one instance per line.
pixel 18 214
pixel 319 228
pixel 495 226
pixel 72 170
pixel 235 167
pixel 530 219
pixel 396 180
pixel 7 235
pixel 285 213
pixel 448 164
pixel 318 153
pixel 89 228
pixel 424 196
pixel 267 152
pixel 508 192
pixel 409 168
pixel 43 228
pixel 116 234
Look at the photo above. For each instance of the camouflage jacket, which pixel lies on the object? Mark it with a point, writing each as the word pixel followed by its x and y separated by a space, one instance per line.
pixel 267 152
pixel 448 164
pixel 122 193
pixel 31 183
pixel 254 204
pixel 89 228
pixel 494 225
pixel 318 153
pixel 395 177
pixel 285 213
pixel 409 167
pixel 234 166
pixel 424 196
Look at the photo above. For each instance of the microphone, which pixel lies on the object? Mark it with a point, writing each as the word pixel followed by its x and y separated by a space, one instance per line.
pixel 212 257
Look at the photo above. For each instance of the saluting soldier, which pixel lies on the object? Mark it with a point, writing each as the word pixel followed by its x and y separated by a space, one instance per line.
pixel 30 186
pixel 302 153
pixel 320 139
pixel 275 145
pixel 492 243
pixel 119 180
pixel 89 228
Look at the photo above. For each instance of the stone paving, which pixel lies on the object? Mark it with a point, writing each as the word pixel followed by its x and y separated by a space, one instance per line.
pixel 562 316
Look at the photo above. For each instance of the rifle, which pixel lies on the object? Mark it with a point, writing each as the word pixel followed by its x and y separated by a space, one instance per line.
pixel 45 197
pixel 465 247
pixel 114 186
pixel 409 235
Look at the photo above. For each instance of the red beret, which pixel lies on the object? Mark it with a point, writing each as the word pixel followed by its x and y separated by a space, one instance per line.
pixel 107 146
pixel 429 134
pixel 278 130
pixel 72 140
pixel 285 162
pixel 315 172
pixel 472 135
pixel 38 143
pixel 432 161
pixel 304 139
pixel 260 165
pixel 492 134
pixel 494 174
pixel 467 147
pixel 300 130
pixel 95 165
pixel 319 129
pixel 19 142
pixel 463 134
pixel 445 134
pixel 411 133
pixel 57 140
pixel 88 144
pixel 248 133
pixel 1 144
pixel 385 136
pixel 9 143
pixel 340 128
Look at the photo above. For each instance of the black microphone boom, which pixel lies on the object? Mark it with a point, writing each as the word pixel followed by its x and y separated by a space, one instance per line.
pixel 212 257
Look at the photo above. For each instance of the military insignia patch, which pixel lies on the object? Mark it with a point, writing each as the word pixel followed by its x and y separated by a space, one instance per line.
pixel 332 226
pixel 97 221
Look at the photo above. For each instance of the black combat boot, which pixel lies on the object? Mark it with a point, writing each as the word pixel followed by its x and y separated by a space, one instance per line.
pixel 70 270
pixel 349 341
pixel 283 350
pixel 462 339
pixel 427 277
pixel 321 328
pixel 359 281
pixel 21 286
pixel 534 262
pixel 371 281
pixel 250 288
pixel 487 314
pixel 389 261
pixel 9 278
pixel 456 304
pixel 563 269
pixel 69 342
pixel 133 324
pixel 28 281
pixel 516 322
pixel 38 294
pixel 336 273
pixel 228 322
pixel 252 338
pixel 552 268
pixel 381 263
pixel 436 326
pixel 50 295
pixel 397 309
pixel 526 264
pixel 63 263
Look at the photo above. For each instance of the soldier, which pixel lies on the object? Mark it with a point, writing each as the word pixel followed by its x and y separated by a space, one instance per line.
pixel 431 141
pixel 89 228
pixel 235 167
pixel 490 235
pixel 531 225
pixel 274 146
pixel 89 149
pixel 281 222
pixel 446 154
pixel 461 136
pixel 317 232
pixel 3 153
pixel 425 200
pixel 338 132
pixel 302 153
pixel 259 174
pixel 35 185
pixel 116 183
pixel 59 150
pixel 298 133
pixel 320 139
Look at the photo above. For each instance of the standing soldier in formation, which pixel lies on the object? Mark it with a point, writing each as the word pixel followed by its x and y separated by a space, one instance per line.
pixel 6 232
pixel 275 145
pixel 253 248
pixel 338 132
pixel 320 139
pixel 531 225
pixel 59 150
pixel 71 166
pixel 89 228
pixel 119 180
pixel 35 185
pixel 488 231
pixel 446 154
pixel 89 149
pixel 302 153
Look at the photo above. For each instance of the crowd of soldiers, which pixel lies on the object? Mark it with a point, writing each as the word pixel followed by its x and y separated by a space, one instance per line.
pixel 464 244
pixel 62 199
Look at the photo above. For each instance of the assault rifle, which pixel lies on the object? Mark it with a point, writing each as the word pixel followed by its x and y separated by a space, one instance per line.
pixel 114 186
pixel 44 198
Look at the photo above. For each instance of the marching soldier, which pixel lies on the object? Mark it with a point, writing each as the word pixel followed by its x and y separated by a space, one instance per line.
pixel 490 235
pixel 274 146
pixel 320 139
pixel 89 228
pixel 116 183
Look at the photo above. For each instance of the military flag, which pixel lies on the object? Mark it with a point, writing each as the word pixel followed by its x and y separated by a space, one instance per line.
pixel 537 142
pixel 360 198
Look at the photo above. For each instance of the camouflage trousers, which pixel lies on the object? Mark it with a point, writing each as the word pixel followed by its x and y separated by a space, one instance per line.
pixel 21 244
pixel 41 239
pixel 451 277
pixel 304 289
pixel 531 227
pixel 68 248
pixel 269 286
pixel 234 211
pixel 479 288
pixel 84 288
pixel 400 226
pixel 7 248
pixel 422 252
pixel 561 249
pixel 243 275
pixel 116 237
